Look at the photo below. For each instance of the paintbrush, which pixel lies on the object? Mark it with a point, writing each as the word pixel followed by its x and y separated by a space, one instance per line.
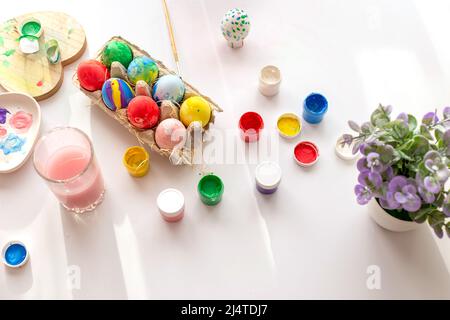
pixel 172 38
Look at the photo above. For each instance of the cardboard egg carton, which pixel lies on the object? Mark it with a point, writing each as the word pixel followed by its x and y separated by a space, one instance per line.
pixel 182 155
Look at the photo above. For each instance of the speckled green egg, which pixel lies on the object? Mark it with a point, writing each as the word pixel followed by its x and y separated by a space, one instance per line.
pixel 117 51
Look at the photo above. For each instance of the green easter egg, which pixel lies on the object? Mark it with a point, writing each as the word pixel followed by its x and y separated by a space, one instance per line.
pixel 117 51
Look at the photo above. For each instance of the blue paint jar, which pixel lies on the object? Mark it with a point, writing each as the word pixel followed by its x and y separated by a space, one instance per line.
pixel 314 108
pixel 15 254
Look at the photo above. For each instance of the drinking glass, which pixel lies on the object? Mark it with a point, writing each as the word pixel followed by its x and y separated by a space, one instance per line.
pixel 64 158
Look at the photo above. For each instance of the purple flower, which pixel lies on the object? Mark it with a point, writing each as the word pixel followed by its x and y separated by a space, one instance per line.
pixel 363 194
pixel 368 187
pixel 436 166
pixel 430 118
pixel 402 194
pixel 388 174
pixel 446 112
pixel 427 196
pixel 372 162
pixel 403 116
pixel 3 113
pixel 432 184
pixel 372 180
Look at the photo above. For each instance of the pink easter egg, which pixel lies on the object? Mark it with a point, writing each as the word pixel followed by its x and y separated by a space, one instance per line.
pixel 170 133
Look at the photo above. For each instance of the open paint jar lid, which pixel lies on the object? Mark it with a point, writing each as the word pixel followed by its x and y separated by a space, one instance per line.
pixel 306 153
pixel 15 254
pixel 268 175
pixel 171 204
pixel 344 151
pixel 289 125
pixel 31 27
pixel 28 44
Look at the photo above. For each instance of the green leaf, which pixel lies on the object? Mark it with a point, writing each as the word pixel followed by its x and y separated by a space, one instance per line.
pixel 421 215
pixel 436 218
pixel 438 134
pixel 447 229
pixel 425 132
pixel 379 117
pixel 367 128
pixel 412 122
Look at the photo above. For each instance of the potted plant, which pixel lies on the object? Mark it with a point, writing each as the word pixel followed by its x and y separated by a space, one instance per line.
pixel 404 168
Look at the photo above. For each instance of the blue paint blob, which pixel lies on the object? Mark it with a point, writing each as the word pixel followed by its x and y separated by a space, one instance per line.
pixel 314 108
pixel 15 254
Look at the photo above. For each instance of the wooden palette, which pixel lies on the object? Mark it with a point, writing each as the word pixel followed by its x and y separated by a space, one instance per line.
pixel 33 74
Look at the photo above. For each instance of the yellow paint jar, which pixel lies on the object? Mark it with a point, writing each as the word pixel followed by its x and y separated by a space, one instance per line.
pixel 137 161
pixel 289 125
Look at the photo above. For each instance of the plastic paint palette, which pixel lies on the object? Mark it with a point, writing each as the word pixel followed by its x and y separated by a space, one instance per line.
pixel 306 153
pixel 15 254
pixel 20 121
pixel 171 204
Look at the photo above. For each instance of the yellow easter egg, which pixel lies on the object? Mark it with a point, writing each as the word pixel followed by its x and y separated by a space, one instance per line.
pixel 195 109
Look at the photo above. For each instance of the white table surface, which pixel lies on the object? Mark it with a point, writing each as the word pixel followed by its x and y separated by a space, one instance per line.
pixel 310 239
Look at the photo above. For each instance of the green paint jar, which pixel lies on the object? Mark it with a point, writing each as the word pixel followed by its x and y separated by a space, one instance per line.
pixel 210 188
pixel 31 27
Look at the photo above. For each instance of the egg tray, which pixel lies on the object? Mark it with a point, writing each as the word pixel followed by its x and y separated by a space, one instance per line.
pixel 182 155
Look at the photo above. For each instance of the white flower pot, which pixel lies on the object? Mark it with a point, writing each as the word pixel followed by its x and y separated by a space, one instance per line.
pixel 386 221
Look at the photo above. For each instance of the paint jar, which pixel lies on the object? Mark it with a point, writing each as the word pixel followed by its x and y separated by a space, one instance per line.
pixel 268 177
pixel 269 81
pixel 306 154
pixel 171 205
pixel 137 161
pixel 345 152
pixel 31 27
pixel 251 124
pixel 289 125
pixel 64 158
pixel 314 108
pixel 15 254
pixel 28 44
pixel 210 188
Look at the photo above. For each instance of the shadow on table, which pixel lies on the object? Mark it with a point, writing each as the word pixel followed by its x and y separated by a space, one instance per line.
pixel 92 255
pixel 19 281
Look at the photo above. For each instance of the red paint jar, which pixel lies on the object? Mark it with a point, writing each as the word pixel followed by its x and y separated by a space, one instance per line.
pixel 251 124
pixel 306 153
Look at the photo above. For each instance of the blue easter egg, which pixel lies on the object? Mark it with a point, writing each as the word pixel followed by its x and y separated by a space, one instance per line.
pixel 142 68
pixel 116 93
pixel 169 87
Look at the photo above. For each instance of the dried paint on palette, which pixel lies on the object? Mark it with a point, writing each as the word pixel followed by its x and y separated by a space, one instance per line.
pixel 12 143
pixel 13 129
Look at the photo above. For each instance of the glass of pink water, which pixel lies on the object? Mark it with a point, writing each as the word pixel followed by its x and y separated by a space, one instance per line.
pixel 64 158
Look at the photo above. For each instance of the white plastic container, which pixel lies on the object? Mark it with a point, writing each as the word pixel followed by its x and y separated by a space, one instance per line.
pixel 269 81
pixel 171 204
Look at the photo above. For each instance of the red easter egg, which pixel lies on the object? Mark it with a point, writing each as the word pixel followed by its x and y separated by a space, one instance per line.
pixel 92 74
pixel 143 112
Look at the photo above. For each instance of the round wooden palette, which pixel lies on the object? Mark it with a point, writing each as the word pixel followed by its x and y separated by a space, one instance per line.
pixel 33 74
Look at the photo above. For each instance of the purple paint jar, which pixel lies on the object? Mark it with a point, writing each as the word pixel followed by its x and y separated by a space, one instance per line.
pixel 268 177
